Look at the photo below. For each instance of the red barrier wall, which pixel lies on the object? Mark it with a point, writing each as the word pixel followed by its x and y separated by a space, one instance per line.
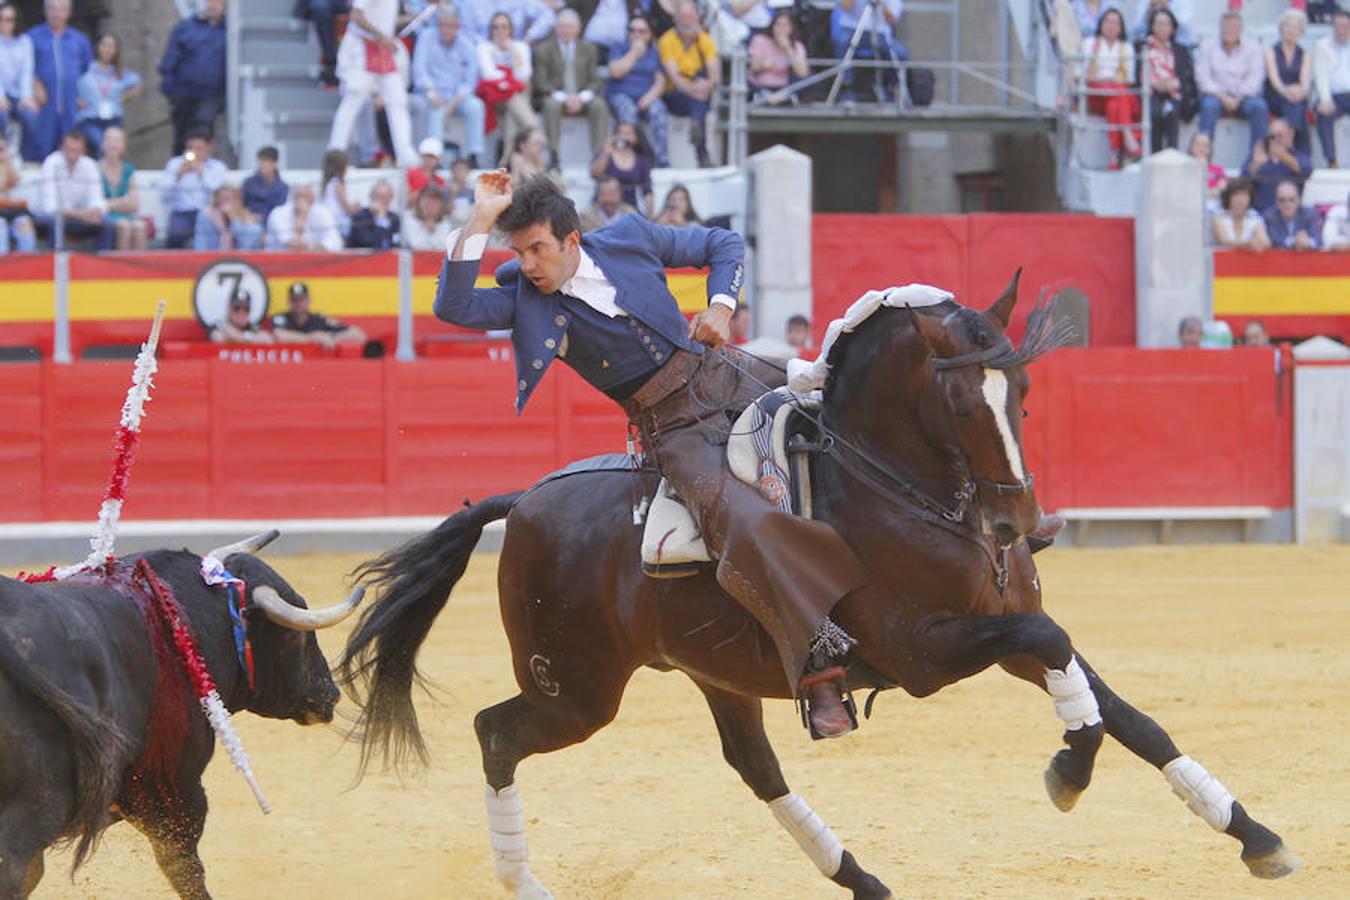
pixel 974 257
pixel 378 437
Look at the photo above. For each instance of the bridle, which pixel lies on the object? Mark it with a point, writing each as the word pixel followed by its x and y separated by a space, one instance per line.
pixel 999 351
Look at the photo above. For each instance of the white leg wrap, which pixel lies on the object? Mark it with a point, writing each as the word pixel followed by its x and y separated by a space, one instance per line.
pixel 810 832
pixel 1202 793
pixel 506 831
pixel 1075 704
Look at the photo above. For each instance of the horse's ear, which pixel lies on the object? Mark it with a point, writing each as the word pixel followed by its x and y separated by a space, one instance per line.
pixel 930 331
pixel 1003 306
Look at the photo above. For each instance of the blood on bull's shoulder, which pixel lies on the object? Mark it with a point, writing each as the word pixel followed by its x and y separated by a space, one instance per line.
pixel 99 720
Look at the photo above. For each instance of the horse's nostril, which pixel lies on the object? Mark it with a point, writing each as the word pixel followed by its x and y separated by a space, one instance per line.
pixel 1004 533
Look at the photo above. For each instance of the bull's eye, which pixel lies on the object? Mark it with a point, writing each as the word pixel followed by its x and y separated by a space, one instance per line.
pixel 1025 413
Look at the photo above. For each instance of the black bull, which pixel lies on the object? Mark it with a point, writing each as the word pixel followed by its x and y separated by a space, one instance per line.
pixel 78 673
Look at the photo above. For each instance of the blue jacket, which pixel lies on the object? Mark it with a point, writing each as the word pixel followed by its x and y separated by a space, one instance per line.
pixel 634 255
pixel 194 60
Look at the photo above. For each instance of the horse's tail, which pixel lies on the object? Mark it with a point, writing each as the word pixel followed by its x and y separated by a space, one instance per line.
pixel 379 663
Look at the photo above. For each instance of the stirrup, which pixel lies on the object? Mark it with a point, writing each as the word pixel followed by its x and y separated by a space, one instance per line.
pixel 836 674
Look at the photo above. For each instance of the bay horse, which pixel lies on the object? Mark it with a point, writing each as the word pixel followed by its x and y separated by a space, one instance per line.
pixel 924 477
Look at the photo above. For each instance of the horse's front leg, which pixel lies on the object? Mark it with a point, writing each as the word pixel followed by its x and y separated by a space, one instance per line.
pixel 1262 850
pixel 740 724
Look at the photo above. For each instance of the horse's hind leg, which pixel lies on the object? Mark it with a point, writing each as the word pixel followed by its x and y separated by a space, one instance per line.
pixel 740 724
pixel 1262 850
pixel 530 723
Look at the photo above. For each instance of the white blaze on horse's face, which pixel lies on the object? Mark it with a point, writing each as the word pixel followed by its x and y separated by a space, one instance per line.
pixel 995 391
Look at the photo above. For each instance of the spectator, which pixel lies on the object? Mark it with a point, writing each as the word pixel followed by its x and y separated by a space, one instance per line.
pixel 1239 227
pixel 445 73
pixel 1289 77
pixel 1336 228
pixel 529 156
pixel 1088 13
pixel 1190 332
pixel 119 191
pixel 376 227
pixel 60 56
pixel 372 63
pixel 71 195
pixel 1275 160
pixel 302 225
pixel 876 42
pixel 1181 15
pixel 103 89
pixel 264 190
pixel 17 100
pixel 607 206
pixel 227 224
pixel 678 210
pixel 238 327
pixel 625 158
pixel 1290 225
pixel 1171 70
pixel 14 218
pixel 300 324
pixel 427 228
pixel 1230 72
pixel 531 19
pixel 567 83
pixel 1108 69
pixel 504 71
pixel 190 181
pixel 1254 334
pixel 607 29
pixel 323 14
pixel 636 85
pixel 799 333
pixel 777 57
pixel 1215 179
pixel 689 58
pixel 1331 71
pixel 428 172
pixel 192 72
pixel 459 193
pixel 333 184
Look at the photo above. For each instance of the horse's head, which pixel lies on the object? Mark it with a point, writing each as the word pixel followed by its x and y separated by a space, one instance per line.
pixel 981 383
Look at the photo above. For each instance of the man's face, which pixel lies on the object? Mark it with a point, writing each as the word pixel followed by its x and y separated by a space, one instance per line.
pixel 300 304
pixel 381 196
pixel 58 14
pixel 239 315
pixel 214 8
pixel 567 30
pixel 1230 29
pixel 302 199
pixel 267 167
pixel 1281 133
pixel 1286 200
pixel 448 30
pixel 200 147
pixel 686 19
pixel 1191 333
pixel 1254 335
pixel 72 150
pixel 608 195
pixel 430 161
pixel 545 260
pixel 1340 26
pixel 798 336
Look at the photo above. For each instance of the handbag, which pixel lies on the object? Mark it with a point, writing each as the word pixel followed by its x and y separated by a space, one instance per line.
pixel 379 59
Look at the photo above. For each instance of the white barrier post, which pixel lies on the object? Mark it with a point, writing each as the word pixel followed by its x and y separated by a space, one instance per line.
pixel 61 316
pixel 405 352
pixel 782 258
pixel 1169 248
pixel 1321 440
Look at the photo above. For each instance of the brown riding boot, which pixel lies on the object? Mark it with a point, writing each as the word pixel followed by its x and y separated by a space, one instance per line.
pixel 827 715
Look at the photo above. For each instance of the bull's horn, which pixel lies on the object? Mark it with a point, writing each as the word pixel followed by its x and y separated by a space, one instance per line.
pixel 247 545
pixel 288 616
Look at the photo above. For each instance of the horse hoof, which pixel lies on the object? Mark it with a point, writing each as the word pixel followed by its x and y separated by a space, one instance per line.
pixel 1062 793
pixel 1275 864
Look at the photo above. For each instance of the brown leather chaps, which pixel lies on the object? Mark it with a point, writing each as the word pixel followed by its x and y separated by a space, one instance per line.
pixel 788 572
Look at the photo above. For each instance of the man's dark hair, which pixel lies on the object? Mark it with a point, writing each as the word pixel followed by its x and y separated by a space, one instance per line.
pixel 76 134
pixel 269 153
pixel 1339 11
pixel 538 200
pixel 798 322
pixel 202 132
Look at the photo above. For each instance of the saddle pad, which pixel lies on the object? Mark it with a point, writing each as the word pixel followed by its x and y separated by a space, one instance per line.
pixel 671 543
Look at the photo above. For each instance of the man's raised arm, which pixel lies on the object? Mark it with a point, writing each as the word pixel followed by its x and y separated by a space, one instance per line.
pixel 457 300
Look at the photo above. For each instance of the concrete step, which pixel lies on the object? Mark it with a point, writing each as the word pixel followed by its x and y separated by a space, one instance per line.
pixel 295 98
pixel 273 72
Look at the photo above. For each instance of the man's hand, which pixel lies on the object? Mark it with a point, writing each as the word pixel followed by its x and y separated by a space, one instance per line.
pixel 1326 107
pixel 389 43
pixel 491 196
pixel 572 105
pixel 712 326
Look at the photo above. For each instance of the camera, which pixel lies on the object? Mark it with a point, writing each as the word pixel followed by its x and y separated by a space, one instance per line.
pixel 190 156
pixel 621 144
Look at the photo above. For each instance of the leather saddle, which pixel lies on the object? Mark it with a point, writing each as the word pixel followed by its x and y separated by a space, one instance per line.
pixel 769 449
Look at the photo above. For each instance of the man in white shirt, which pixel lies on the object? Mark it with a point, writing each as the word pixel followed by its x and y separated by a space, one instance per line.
pixel 189 186
pixel 1331 75
pixel 567 82
pixel 1230 72
pixel 371 62
pixel 302 226
pixel 70 198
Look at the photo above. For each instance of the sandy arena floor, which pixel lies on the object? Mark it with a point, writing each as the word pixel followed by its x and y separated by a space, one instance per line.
pixel 1242 653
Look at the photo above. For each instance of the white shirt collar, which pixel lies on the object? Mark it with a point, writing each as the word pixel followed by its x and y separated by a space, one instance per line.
pixel 587 270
